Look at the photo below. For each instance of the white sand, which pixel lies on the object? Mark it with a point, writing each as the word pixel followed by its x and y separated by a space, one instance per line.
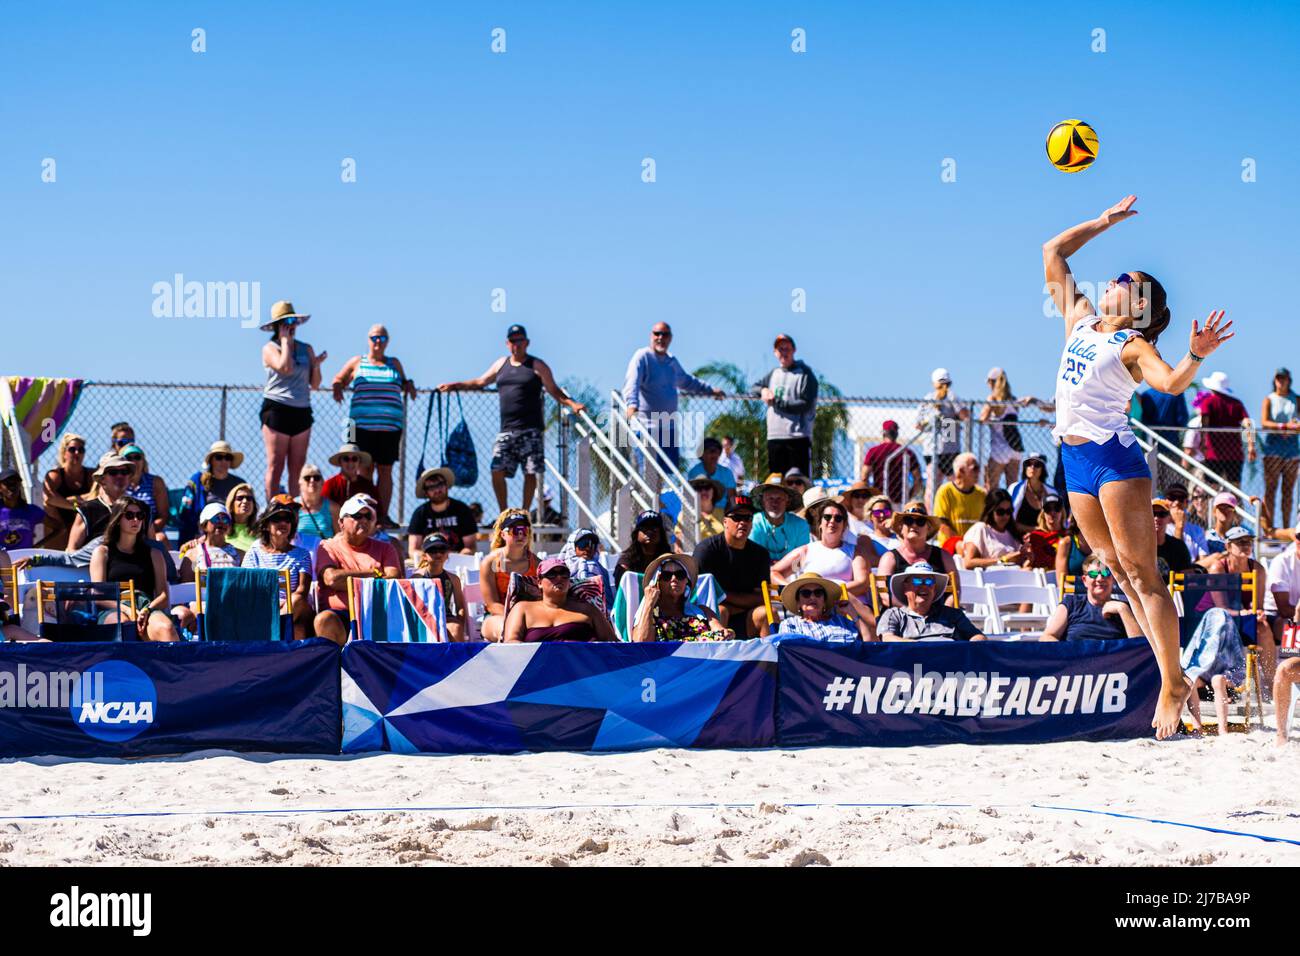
pixel 1240 783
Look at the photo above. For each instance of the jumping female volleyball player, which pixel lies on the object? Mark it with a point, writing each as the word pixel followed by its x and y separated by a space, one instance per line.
pixel 1109 350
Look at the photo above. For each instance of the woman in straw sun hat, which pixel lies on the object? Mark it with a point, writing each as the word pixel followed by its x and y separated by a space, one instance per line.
pixel 914 527
pixel 666 612
pixel 815 604
pixel 214 482
pixel 292 371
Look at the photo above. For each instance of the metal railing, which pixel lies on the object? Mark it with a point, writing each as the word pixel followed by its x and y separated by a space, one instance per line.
pixel 630 431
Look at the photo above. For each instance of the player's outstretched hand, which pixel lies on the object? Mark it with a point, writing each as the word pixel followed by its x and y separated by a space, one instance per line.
pixel 1120 211
pixel 1205 339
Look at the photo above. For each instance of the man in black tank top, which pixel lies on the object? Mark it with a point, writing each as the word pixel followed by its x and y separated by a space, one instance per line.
pixel 520 379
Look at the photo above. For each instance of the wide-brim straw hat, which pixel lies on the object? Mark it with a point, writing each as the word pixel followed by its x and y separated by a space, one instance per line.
pixel 921 568
pixel 813 497
pixel 773 483
pixel 351 449
pixel 719 489
pixel 813 513
pixel 284 310
pixel 685 560
pixel 832 589
pixel 223 448
pixel 914 509
pixel 447 474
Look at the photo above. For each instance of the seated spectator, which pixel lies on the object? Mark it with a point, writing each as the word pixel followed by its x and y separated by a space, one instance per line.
pixel 315 512
pixel 1184 522
pixel 666 612
pixel 242 506
pixel 556 617
pixel 992 541
pixel 1288 676
pixel 650 538
pixel 93 512
pixel 352 553
pixel 776 526
pixel 918 611
pixel 1169 549
pixel 814 606
pixel 738 565
pixel 211 549
pixel 149 488
pixel 855 498
pixel 1045 539
pixel 812 496
pixel 1214 658
pixel 880 510
pixel 827 555
pixel 1029 493
pixel 121 434
pixel 1239 559
pixel 581 553
pixel 274 549
pixel 711 493
pixel 892 467
pixel 512 553
pixel 214 483
pixel 125 555
pixel 1282 596
pixel 802 485
pixel 709 467
pixel 1093 615
pixel 354 475
pixel 65 485
pixel 434 549
pixel 959 502
pixel 1224 517
pixel 442 513
pixel 914 528
pixel 21 524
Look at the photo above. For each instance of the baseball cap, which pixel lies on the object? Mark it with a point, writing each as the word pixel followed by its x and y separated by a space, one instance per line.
pixel 741 503
pixel 211 510
pixel 549 565
pixel 796 473
pixel 1159 503
pixel 516 520
pixel 584 536
pixel 7 473
pixel 516 329
pixel 647 517
pixel 1226 498
pixel 889 426
pixel 783 337
pixel 994 372
pixel 1237 533
pixel 1176 489
pixel 435 542
pixel 1283 372
pixel 712 443
pixel 940 375
pixel 357 503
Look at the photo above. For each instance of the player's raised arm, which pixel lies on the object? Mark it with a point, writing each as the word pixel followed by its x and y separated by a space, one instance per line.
pixel 1174 379
pixel 1057 250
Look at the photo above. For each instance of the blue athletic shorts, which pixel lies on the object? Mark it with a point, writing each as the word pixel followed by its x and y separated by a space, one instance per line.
pixel 1089 466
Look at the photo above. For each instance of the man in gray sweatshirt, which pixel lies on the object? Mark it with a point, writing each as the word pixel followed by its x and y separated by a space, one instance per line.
pixel 650 389
pixel 790 391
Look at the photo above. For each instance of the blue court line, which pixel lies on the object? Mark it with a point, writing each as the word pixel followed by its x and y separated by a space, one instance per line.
pixel 481 808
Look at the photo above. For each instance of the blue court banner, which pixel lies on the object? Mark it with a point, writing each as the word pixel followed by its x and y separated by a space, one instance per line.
pixel 982 692
pixel 139 699
pixel 506 698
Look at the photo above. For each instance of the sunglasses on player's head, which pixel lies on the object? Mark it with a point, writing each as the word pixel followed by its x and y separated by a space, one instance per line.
pixel 1095 574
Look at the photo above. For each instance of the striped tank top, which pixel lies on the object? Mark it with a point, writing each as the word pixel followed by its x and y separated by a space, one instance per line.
pixel 377 397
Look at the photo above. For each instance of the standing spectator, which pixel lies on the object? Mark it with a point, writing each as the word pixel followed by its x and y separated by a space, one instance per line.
pixel 1280 423
pixel 519 378
pixel 353 477
pixel 512 553
pixel 709 467
pixel 1219 408
pixel 1029 493
pixel 242 505
pixel 992 541
pixel 443 514
pixel 274 549
pixel 737 564
pixel 352 553
pixel 1093 615
pixel 1172 551
pixel 776 526
pixel 292 371
pixel 790 393
pixel 892 467
pixel 93 512
pixel 149 488
pixel 377 413
pixel 650 538
pixel 21 524
pixel 942 448
pixel 65 485
pixel 214 483
pixel 1005 443
pixel 650 387
pixel 120 434
pixel 1184 524
pixel 125 555
pixel 959 502
pixel 732 460
pixel 918 610
pixel 315 512
pixel 711 494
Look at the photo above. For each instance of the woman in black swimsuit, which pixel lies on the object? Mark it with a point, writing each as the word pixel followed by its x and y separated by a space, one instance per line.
pixel 125 555
pixel 555 617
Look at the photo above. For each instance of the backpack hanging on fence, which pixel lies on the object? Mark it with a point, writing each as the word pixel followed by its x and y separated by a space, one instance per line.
pixel 424 443
pixel 458 454
pixel 1011 432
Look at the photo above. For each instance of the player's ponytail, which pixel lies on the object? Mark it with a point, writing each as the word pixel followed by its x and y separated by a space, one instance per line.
pixel 1156 317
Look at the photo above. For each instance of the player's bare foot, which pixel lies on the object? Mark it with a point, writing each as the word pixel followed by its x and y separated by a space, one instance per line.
pixel 1169 708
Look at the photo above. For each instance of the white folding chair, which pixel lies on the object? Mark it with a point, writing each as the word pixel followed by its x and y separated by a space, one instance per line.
pixel 458 562
pixel 1040 597
pixel 978 602
pixel 999 576
pixel 473 606
pixel 969 578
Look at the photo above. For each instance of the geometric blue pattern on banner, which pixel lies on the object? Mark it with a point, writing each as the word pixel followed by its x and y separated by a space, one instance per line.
pixel 961 692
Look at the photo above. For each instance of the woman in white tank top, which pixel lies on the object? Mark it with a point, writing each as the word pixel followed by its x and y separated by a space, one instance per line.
pixel 827 554
pixel 1108 351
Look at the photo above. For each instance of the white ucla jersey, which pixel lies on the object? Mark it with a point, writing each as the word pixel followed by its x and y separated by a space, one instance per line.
pixel 1093 386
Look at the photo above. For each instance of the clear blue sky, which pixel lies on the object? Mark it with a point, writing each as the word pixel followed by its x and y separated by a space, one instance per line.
pixel 523 171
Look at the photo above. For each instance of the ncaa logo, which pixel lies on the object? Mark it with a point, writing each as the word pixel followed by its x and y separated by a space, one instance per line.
pixel 123 709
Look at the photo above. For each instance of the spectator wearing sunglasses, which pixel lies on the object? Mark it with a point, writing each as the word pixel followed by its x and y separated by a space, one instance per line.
pixel 1170 551
pixel 790 393
pixel 557 616
pixel 21 524
pixel 651 386
pixel 737 564
pixel 93 513
pixel 353 477
pixel 710 466
pixel 918 612
pixel 65 485
pixel 520 380
pixel 377 412
pixel 817 607
pixel 442 513
pixel 776 526
pixel 1186 512
pixel 943 446
pixel 892 467
pixel 125 555
pixel 1093 615
pixel 120 434
pixel 829 554
pixel 242 505
pixel 666 612
pixel 1029 493
pixel 214 483
pixel 992 541
pixel 801 484
pixel 352 553
pixel 213 549
pixel 512 553
pixel 582 555
pixel 274 549
pixel 149 488
pixel 914 528
pixel 711 494
pixel 315 512
pixel 292 371
pixel 434 551
pixel 1045 540
pixel 880 515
